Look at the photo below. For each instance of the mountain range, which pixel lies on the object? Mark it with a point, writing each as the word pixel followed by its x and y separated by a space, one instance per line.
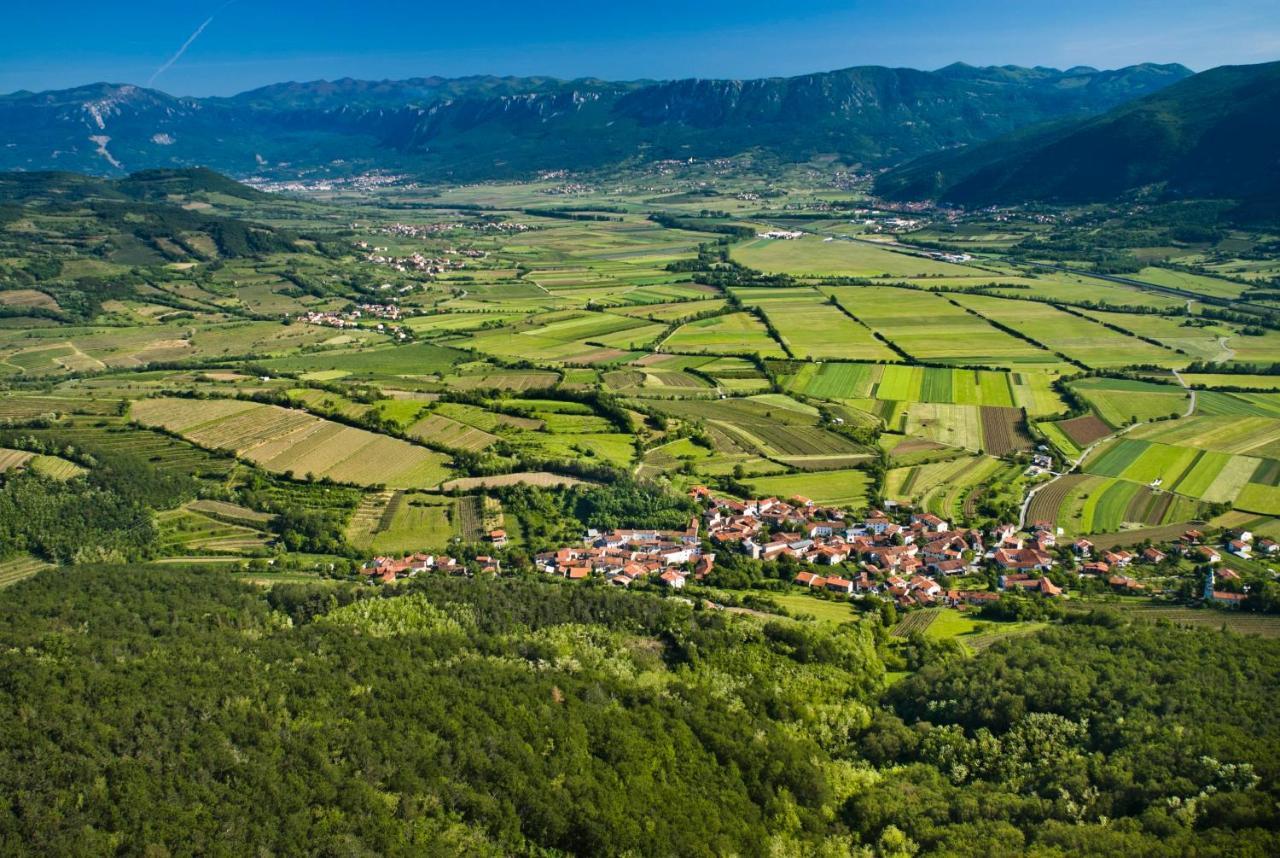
pixel 494 127
pixel 1212 135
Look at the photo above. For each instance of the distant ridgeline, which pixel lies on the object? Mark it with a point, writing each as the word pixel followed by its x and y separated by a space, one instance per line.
pixel 1212 135
pixel 478 127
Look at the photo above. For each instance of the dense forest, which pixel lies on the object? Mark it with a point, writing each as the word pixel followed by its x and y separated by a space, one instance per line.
pixel 155 712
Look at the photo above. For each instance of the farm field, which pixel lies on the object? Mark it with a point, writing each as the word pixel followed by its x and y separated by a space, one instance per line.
pixel 953 425
pixel 835 488
pixel 1198 283
pixel 1245 434
pixel 20 568
pixel 1256 382
pixel 1200 474
pixel 1084 504
pixel 948 489
pixel 733 333
pixel 1209 343
pixel 1119 401
pixel 287 441
pixel 400 522
pixel 929 327
pixel 811 327
pixel 811 255
pixel 1079 338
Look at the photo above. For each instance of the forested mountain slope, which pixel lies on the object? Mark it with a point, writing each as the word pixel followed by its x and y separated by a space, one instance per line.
pixel 1209 136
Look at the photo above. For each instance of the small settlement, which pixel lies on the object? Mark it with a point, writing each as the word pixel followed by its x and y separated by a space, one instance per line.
pixel 912 560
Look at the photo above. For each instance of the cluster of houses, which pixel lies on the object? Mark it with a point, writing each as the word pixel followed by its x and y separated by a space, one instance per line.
pixel 423 230
pixel 388 570
pixel 902 561
pixel 624 556
pixel 415 262
pixel 908 561
pixel 353 318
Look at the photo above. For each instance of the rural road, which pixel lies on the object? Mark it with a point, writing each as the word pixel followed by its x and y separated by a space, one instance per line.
pixel 1084 454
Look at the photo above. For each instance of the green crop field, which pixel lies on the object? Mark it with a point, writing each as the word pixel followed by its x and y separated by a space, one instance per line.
pixel 734 333
pixel 812 255
pixel 930 327
pixel 811 327
pixel 837 488
pixel 1120 401
pixel 1081 339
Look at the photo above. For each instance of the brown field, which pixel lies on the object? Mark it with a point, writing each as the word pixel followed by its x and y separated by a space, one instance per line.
pixel 529 478
pixel 1004 430
pixel 10 459
pixel 1047 502
pixel 1083 431
pixel 28 298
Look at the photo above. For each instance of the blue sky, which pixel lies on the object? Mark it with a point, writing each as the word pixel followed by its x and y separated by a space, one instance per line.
pixel 252 42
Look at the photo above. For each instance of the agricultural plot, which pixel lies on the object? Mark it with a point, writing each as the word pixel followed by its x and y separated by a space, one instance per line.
pixel 1004 431
pixel 1255 382
pixel 929 327
pixel 770 427
pixel 1084 504
pixel 451 434
pixel 1120 401
pixel 1083 431
pixel 189 531
pixel 293 442
pixel 1201 474
pixel 811 327
pixel 1252 435
pixel 811 255
pixel 1077 337
pixel 526 478
pixel 1196 341
pixel 404 522
pixel 846 488
pixel 916 622
pixel 416 360
pixel 578 335
pixel 953 425
pixel 20 568
pixel 1216 403
pixel 930 484
pixel 732 333
pixel 1197 283
pixel 835 380
pixel 1078 288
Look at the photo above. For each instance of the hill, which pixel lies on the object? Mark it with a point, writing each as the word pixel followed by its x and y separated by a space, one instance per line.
pixel 1209 136
pixel 478 127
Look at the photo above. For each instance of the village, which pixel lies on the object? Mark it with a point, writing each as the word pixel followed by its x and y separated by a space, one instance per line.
pixel 918 560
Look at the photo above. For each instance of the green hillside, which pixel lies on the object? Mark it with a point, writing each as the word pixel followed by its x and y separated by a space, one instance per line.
pixel 1209 136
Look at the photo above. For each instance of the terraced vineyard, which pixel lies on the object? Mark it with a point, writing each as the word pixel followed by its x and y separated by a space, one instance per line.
pixel 294 442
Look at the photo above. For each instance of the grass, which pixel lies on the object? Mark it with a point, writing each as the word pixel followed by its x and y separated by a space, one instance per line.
pixel 846 488
pixel 1081 339
pixel 732 333
pixel 1122 401
pixel 811 255
pixel 929 327
pixel 813 328
pixel 823 611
